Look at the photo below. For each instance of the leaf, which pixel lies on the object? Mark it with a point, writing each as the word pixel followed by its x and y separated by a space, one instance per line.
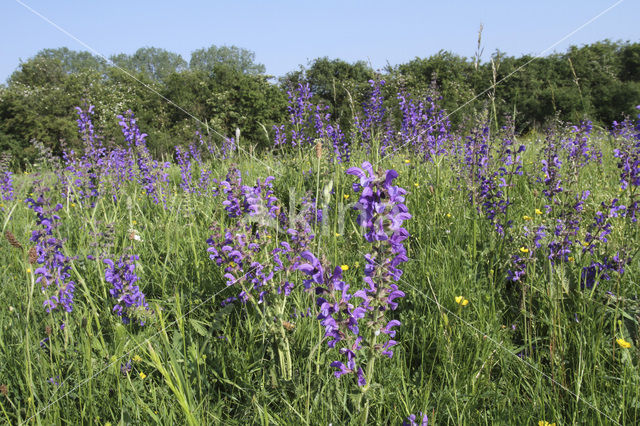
pixel 326 192
pixel 198 327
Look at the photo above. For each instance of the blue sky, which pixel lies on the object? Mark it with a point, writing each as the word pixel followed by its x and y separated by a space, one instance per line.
pixel 285 34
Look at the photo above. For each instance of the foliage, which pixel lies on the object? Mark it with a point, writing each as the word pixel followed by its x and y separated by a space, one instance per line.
pixel 224 88
pixel 242 60
pixel 158 64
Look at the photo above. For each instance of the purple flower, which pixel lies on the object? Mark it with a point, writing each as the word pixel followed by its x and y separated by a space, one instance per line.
pixel 6 185
pixel 53 274
pixel 388 328
pixel 151 174
pixel 237 248
pixel 184 159
pixel 356 319
pixel 373 126
pixel 300 115
pixel 419 420
pixel 130 301
pixel 424 128
pixel 312 269
pixel 579 151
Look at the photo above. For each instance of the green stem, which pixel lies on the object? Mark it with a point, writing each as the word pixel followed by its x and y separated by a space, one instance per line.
pixel 27 344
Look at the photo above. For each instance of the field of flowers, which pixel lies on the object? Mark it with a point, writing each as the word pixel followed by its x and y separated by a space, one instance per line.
pixel 397 271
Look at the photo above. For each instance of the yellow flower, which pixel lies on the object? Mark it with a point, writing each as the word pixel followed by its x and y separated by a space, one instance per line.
pixel 232 264
pixel 545 423
pixel 344 267
pixel 448 214
pixel 538 211
pixel 133 222
pixel 571 259
pixel 142 375
pixel 73 204
pixel 28 270
pixel 346 196
pixel 461 301
pixel 407 161
pixel 417 185
pixel 337 235
pixel 525 217
pixel 137 358
pixel 623 343
pixel 585 244
pixel 524 249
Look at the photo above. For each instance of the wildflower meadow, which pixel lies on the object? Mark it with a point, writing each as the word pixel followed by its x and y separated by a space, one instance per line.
pixel 398 270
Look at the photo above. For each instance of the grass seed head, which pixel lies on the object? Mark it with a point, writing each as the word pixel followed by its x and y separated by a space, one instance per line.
pixel 12 239
pixel 33 255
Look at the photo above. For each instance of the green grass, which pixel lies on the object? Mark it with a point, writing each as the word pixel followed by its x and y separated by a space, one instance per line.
pixel 196 362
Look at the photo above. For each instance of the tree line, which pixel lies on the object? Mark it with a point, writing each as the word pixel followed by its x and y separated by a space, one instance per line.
pixel 221 89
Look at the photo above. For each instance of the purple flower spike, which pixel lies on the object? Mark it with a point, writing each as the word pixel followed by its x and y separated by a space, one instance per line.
pixel 53 274
pixel 357 319
pixel 130 301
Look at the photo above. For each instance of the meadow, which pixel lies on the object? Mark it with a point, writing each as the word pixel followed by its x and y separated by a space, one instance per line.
pixel 392 272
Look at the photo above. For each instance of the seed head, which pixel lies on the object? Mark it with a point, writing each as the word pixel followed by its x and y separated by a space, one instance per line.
pixel 288 325
pixel 4 390
pixel 12 239
pixel 33 255
pixel 318 148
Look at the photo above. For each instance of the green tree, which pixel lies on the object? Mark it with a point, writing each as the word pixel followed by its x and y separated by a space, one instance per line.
pixel 455 76
pixel 242 60
pixel 225 99
pixel 630 62
pixel 335 83
pixel 41 106
pixel 155 63
pixel 73 61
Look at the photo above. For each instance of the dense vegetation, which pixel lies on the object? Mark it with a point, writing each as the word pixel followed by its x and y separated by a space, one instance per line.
pixel 374 269
pixel 225 89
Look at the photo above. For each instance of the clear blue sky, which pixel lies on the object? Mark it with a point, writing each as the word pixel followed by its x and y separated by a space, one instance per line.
pixel 287 33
